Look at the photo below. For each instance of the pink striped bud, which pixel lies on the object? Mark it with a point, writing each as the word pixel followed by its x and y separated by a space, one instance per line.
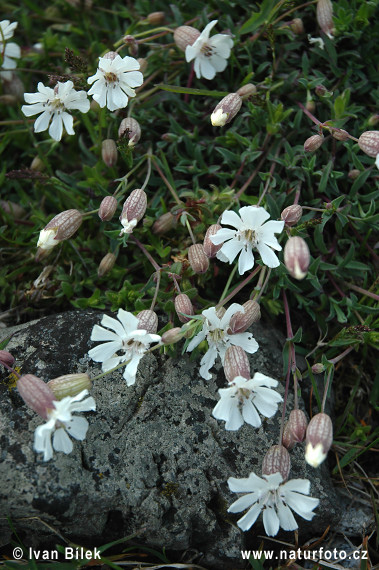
pixel 110 55
pixel 313 143
pixel 6 358
pixel 292 215
pixel 12 208
pixel 296 257
pixel 106 264
pixel 318 368
pixel 172 336
pixel 226 110
pixel 142 64
pixel 240 322
pixel 156 18
pixel 236 363
pixel 69 385
pixel 340 134
pixel 369 143
pixel 325 17
pixel 185 36
pixel 354 173
pixel 295 428
pixel 60 228
pixel 197 258
pixel 277 460
pixel 130 129
pixel 183 305
pixel 246 91
pixel 133 210
pixel 107 208
pixel 319 437
pixel 210 249
pixel 132 44
pixel 148 321
pixel 297 26
pixel 36 394
pixel 163 224
pixel 109 152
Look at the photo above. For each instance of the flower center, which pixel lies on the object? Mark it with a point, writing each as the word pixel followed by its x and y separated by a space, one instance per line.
pixel 217 335
pixel 250 236
pixel 56 104
pixel 206 50
pixel 110 77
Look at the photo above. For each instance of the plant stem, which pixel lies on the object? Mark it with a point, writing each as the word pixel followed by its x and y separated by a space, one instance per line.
pixel 173 192
pixel 146 253
pixel 158 274
pixel 239 287
pixel 230 279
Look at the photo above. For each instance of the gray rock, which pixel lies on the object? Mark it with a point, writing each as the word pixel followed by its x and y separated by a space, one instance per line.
pixel 154 456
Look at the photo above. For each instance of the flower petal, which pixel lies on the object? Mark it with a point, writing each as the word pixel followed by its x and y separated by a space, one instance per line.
pixel 61 441
pixel 270 521
pixel 268 256
pixel 251 516
pixel 77 428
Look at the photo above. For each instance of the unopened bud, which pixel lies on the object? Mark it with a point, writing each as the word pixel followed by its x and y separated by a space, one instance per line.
pixel 226 110
pixel 369 143
pixel 310 106
pixel 107 208
pixel 292 214
pixel 110 55
pixel 133 210
pixel 142 64
pixel 318 439
pixel 148 321
pixel 325 17
pixel 277 460
pixel 163 224
pixel 130 128
pixel 340 134
pixel 320 90
pixel 12 208
pixel 60 228
pixel 6 358
pixel 297 26
pixel 240 322
pixel 353 174
pixel 246 91
pixel 109 152
pixel 37 164
pixel 185 36
pixel 183 305
pixel 296 257
pixel 318 368
pixel 9 100
pixel 373 120
pixel 156 18
pixel 236 363
pixel 197 258
pixel 36 394
pixel 132 44
pixel 69 385
pixel 172 336
pixel 295 428
pixel 313 143
pixel 210 249
pixel 106 264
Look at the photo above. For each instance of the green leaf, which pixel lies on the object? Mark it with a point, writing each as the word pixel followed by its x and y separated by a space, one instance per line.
pixel 258 18
pixel 192 91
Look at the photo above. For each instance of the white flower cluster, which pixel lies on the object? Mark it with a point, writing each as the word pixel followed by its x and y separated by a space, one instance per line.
pixel 9 51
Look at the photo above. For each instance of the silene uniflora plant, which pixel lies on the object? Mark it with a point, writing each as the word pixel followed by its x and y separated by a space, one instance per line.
pixel 191 169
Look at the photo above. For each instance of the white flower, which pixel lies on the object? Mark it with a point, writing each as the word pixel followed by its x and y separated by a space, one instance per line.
pixel 114 80
pixel 215 331
pixel 275 498
pixel 127 337
pixel 243 398
pixel 210 54
pixel 55 106
pixel 61 422
pixel 251 232
pixel 8 51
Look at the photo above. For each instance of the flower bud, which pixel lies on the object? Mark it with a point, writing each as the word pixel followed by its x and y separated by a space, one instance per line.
pixel 148 321
pixel 226 110
pixel 107 208
pixel 197 258
pixel 133 210
pixel 142 64
pixel 185 36
pixel 296 257
pixel 369 143
pixel 236 363
pixel 325 17
pixel 277 460
pixel 373 120
pixel 292 214
pixel 110 55
pixel 246 91
pixel 36 394
pixel 172 336
pixel 183 305
pixel 163 224
pixel 12 208
pixel 318 368
pixel 106 264
pixel 14 86
pixel 313 143
pixel 210 249
pixel 130 128
pixel 109 152
pixel 220 312
pixel 318 439
pixel 310 106
pixel 8 100
pixel 37 164
pixel 69 385
pixel 240 322
pixel 132 44
pixel 60 228
pixel 6 358
pixel 297 26
pixel 320 90
pixel 340 134
pixel 295 428
pixel 156 18
pixel 353 174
